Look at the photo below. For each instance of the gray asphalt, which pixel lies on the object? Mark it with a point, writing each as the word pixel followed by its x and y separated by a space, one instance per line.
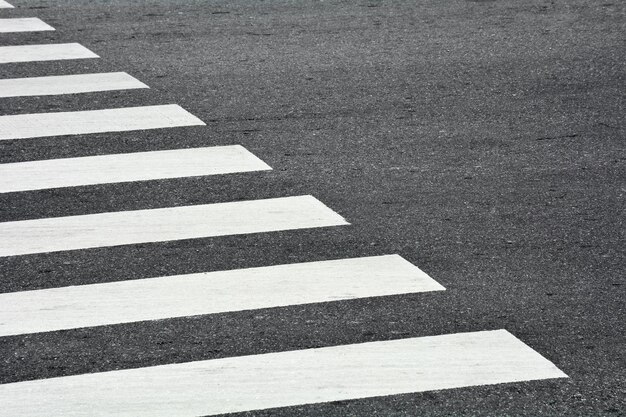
pixel 481 140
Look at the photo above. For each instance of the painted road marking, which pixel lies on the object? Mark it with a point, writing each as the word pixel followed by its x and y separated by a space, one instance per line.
pixel 48 52
pixel 164 224
pixel 141 166
pixel 286 378
pixel 5 5
pixel 68 84
pixel 23 24
pixel 95 121
pixel 209 293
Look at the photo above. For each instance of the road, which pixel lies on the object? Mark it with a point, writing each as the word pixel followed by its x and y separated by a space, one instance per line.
pixel 462 163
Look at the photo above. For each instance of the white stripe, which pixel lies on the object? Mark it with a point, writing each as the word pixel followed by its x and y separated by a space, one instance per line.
pixel 95 121
pixel 68 84
pixel 286 378
pixel 165 224
pixel 54 173
pixel 209 293
pixel 25 24
pixel 48 52
pixel 5 5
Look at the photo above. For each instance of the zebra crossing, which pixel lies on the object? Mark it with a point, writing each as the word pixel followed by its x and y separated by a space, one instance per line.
pixel 46 52
pixel 215 386
pixel 164 224
pixel 138 166
pixel 28 24
pixel 23 126
pixel 68 84
pixel 214 292
pixel 287 378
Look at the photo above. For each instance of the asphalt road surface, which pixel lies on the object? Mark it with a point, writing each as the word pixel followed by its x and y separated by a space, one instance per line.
pixel 481 141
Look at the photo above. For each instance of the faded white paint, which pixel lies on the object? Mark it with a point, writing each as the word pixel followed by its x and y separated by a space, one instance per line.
pixel 23 24
pixel 5 5
pixel 47 52
pixel 164 224
pixel 209 293
pixel 95 121
pixel 286 378
pixel 141 166
pixel 68 84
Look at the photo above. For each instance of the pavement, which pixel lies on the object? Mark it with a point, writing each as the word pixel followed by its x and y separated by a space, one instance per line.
pixel 483 141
